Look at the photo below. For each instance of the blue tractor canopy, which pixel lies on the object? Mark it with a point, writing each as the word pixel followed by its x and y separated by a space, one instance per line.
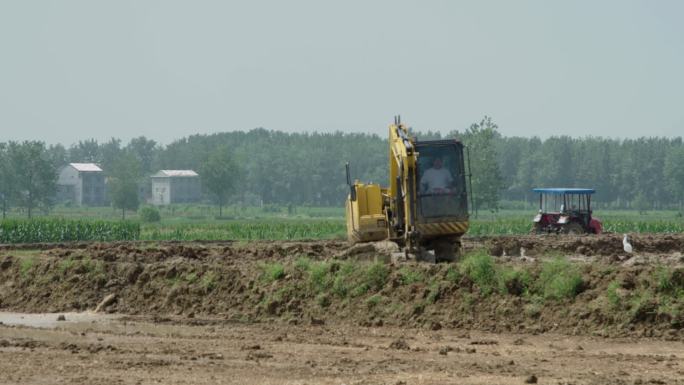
pixel 564 199
pixel 565 210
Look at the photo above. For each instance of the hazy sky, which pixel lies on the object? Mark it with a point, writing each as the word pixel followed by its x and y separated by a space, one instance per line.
pixel 165 69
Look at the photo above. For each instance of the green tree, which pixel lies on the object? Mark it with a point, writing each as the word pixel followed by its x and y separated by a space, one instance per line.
pixel 220 174
pixel 7 184
pixel 144 150
pixel 86 151
pixel 674 174
pixel 111 151
pixel 35 175
pixel 123 183
pixel 487 182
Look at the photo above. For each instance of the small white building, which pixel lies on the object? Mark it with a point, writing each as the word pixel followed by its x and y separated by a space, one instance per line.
pixel 82 184
pixel 175 186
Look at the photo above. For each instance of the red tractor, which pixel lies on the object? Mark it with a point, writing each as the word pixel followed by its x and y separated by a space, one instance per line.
pixel 565 211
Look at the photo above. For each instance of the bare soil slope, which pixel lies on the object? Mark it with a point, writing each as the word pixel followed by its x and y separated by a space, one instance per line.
pixel 326 281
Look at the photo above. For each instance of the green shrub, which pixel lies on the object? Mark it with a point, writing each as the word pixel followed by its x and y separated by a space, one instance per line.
pixel 479 267
pixel 375 276
pixel 513 281
pixel 149 214
pixel 272 272
pixel 559 279
pixel 344 281
pixel 319 279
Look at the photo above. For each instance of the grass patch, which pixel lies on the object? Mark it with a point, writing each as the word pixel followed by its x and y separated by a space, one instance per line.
pixel 669 280
pixel 453 275
pixel 191 277
pixel 559 279
pixel 209 280
pixel 319 277
pixel 410 276
pixel 65 265
pixel 272 272
pixel 612 294
pixel 534 306
pixel 513 281
pixel 353 279
pixel 643 306
pixel 323 300
pixel 93 267
pixel 479 267
pixel 434 293
pixel 373 301
pixel 376 276
pixel 343 282
pixel 302 264
pixel 26 265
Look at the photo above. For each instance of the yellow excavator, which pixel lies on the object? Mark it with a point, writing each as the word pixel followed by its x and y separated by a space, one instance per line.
pixel 425 207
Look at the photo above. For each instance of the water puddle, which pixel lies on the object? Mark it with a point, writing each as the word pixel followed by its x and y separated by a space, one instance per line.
pixel 52 320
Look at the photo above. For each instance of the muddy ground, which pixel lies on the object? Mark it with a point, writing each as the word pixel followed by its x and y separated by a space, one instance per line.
pixel 140 350
pixel 322 312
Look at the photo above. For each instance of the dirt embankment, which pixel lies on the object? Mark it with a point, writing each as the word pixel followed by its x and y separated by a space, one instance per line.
pixel 606 247
pixel 612 294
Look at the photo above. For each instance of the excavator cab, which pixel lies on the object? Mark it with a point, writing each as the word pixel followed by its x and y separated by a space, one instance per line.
pixel 441 181
pixel 441 197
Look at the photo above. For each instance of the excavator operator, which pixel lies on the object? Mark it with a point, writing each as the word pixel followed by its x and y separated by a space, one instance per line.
pixel 436 179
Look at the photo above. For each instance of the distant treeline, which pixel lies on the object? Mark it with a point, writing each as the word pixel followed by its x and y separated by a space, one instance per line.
pixel 308 168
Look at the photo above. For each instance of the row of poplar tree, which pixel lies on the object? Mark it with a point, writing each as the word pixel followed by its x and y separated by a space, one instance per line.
pixel 272 167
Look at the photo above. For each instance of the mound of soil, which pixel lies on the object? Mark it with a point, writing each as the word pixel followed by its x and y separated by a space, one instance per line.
pixel 605 245
pixel 268 281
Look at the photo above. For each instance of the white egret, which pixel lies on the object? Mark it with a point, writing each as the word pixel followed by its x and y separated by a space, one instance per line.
pixel 626 245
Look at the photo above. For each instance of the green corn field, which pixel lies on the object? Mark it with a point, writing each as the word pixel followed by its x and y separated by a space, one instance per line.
pixel 50 229
pixel 66 230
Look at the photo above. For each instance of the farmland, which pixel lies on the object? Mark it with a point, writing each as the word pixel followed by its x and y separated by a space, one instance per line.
pixel 227 299
pixel 197 222
pixel 221 297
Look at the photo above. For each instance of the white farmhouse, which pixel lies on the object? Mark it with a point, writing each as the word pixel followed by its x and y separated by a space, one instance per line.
pixel 82 184
pixel 175 186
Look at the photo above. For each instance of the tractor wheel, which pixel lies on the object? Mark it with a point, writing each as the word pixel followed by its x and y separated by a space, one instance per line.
pixel 573 228
pixel 537 229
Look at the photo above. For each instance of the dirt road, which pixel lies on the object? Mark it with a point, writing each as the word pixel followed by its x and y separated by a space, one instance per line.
pixel 193 351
